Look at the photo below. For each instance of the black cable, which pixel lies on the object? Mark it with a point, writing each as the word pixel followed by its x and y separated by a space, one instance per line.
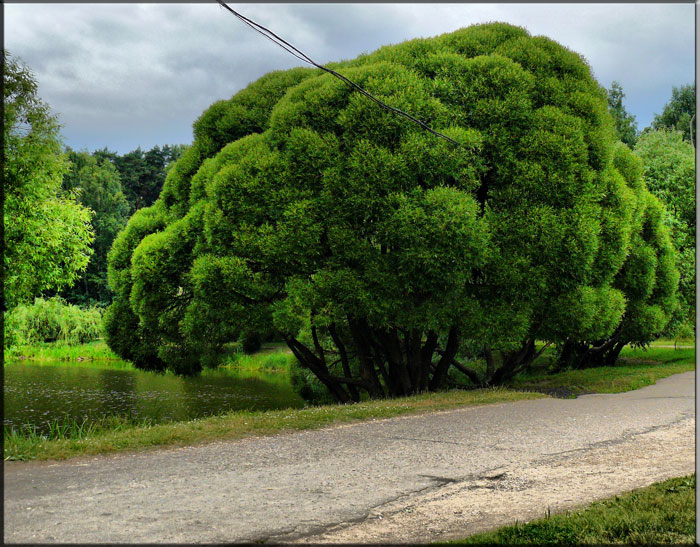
pixel 305 58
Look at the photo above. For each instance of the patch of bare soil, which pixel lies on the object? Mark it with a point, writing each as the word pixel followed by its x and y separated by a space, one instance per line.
pixel 554 483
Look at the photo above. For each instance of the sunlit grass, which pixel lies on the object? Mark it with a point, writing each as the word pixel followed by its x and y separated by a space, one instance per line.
pixel 67 354
pixel 663 513
pixel 274 361
pixel 636 368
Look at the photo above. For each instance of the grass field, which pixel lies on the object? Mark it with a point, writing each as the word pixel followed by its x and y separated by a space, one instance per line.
pixel 663 513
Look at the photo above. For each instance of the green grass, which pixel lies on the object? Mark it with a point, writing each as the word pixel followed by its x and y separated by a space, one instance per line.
pixel 46 352
pixel 98 354
pixel 269 361
pixel 680 342
pixel 637 368
pixel 663 513
pixel 238 425
pixel 69 429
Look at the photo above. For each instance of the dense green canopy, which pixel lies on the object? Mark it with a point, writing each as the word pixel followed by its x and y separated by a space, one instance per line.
pixel 379 252
pixel 669 171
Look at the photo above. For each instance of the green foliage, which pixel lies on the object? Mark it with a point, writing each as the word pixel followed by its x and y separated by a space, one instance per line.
pixel 625 123
pixel 377 250
pixel 125 336
pixel 251 342
pixel 51 320
pixel 82 355
pixel 308 386
pixel 649 277
pixel 669 171
pixel 679 113
pixel 47 234
pixel 647 280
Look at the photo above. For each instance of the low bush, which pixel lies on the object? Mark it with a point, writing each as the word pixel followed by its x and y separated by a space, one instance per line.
pixel 51 320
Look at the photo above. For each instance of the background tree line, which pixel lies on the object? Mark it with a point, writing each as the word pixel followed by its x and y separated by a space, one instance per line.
pixel 114 187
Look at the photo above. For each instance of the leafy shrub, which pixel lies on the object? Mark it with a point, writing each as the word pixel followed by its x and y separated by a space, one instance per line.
pixel 308 386
pixel 52 320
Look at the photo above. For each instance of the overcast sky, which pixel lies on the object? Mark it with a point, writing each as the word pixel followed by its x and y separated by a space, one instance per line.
pixel 127 75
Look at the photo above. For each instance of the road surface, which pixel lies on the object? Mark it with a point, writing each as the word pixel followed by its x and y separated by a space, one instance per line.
pixel 408 479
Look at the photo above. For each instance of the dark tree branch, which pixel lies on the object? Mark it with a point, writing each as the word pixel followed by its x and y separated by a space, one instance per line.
pixel 344 359
pixel 444 364
pixel 468 372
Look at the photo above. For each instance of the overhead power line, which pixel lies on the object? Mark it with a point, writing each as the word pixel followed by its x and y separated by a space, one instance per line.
pixel 267 33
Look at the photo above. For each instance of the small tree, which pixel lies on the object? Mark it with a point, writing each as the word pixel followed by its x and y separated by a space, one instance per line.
pixel 47 234
pixel 625 123
pixel 679 113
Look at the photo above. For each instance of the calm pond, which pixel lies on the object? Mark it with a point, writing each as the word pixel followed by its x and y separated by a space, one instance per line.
pixel 37 394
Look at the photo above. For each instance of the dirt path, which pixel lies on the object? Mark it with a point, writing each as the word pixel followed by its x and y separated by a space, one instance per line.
pixel 509 493
pixel 428 477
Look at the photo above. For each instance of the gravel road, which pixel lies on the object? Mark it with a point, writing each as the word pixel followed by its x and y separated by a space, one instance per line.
pixel 408 479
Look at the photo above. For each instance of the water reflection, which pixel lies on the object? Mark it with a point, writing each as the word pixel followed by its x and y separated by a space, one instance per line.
pixel 37 395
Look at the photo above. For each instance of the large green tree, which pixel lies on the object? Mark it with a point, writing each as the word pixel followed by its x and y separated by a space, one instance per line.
pixel 47 234
pixel 97 186
pixel 378 252
pixel 679 113
pixel 625 123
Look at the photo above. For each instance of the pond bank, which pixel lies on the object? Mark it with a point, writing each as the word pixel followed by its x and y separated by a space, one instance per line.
pixel 639 369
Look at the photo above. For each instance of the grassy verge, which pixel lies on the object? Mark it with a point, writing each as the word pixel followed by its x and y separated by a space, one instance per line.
pixel 663 513
pixel 637 368
pixel 236 425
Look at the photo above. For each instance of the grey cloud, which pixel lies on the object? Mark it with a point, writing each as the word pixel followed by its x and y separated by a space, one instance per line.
pixel 123 75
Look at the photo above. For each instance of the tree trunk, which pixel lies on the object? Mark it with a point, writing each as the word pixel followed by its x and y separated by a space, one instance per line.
pixel 445 361
pixel 308 360
pixel 514 362
pixel 426 360
pixel 344 360
pixel 614 353
pixel 361 337
pixel 490 364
